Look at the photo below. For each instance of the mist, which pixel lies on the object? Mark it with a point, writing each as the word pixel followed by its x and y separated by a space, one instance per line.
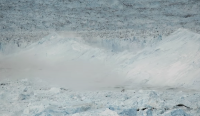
pixel 60 72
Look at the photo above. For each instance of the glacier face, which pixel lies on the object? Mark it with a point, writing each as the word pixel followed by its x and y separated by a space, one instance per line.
pixel 66 75
pixel 168 61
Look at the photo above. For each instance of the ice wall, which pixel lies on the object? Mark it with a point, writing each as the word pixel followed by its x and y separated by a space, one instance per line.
pixel 167 61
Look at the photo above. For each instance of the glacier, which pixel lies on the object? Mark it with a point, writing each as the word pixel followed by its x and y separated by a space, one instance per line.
pixel 64 74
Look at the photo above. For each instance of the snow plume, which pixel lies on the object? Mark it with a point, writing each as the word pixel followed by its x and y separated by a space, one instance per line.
pixel 61 62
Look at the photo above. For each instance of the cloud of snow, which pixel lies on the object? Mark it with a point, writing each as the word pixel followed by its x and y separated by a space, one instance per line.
pixel 75 74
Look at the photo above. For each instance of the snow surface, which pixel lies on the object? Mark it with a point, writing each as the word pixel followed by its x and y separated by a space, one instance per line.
pixel 64 75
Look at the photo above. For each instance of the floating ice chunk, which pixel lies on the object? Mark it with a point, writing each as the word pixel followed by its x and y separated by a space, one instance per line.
pixel 76 114
pixel 178 112
pixel 26 111
pixel 54 90
pixel 129 112
pixel 108 112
